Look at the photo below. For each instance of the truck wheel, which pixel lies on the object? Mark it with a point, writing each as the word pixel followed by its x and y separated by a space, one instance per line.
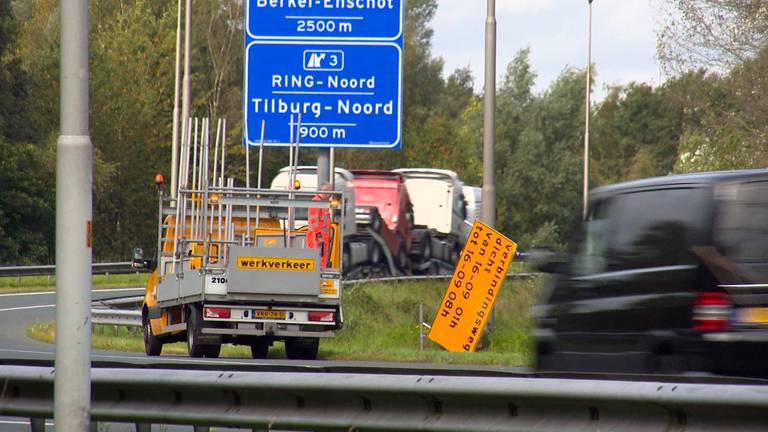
pixel 153 346
pixel 194 322
pixel 375 222
pixel 426 247
pixel 302 348
pixel 402 258
pixel 260 348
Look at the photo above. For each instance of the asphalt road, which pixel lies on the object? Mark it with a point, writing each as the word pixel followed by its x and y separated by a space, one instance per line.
pixel 19 311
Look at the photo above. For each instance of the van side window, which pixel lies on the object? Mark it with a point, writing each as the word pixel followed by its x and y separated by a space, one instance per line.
pixel 591 255
pixel 741 230
pixel 658 227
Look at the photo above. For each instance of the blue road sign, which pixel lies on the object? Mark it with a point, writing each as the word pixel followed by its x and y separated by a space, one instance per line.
pixel 324 19
pixel 348 93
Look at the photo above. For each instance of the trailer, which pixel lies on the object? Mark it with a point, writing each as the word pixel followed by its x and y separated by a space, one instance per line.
pixel 440 215
pixel 234 265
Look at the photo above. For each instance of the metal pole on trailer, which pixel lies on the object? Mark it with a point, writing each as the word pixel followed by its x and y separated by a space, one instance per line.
pixel 74 215
pixel 175 136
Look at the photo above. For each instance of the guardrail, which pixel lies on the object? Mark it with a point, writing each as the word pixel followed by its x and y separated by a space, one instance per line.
pixel 50 270
pixel 109 312
pixel 121 317
pixel 357 401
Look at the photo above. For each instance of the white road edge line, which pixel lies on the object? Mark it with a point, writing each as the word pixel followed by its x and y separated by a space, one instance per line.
pixel 27 307
pixel 54 292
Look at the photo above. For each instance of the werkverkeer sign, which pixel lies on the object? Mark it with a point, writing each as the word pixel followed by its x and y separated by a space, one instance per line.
pixel 345 82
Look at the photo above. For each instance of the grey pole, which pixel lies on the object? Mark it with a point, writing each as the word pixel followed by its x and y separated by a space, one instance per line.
pixel 586 115
pixel 186 91
pixel 175 139
pixel 72 392
pixel 323 166
pixel 488 209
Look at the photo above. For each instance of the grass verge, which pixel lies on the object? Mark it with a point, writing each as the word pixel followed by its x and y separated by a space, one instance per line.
pixel 380 324
pixel 23 284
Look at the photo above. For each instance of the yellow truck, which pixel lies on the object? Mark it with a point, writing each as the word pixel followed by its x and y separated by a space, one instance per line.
pixel 233 266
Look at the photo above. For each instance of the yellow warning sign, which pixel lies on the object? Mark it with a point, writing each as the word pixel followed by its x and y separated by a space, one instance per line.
pixel 476 282
pixel 275 263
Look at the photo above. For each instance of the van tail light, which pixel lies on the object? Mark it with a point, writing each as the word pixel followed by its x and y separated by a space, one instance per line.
pixel 215 312
pixel 322 316
pixel 712 311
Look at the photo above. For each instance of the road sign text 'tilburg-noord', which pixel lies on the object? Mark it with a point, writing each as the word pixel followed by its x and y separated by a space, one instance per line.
pixel 338 63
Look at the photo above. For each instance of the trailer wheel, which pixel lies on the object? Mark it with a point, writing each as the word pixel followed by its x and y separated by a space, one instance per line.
pixel 153 346
pixel 302 348
pixel 194 323
pixel 375 253
pixel 260 348
pixel 212 351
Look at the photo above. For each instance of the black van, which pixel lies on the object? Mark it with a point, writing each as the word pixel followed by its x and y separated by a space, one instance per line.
pixel 669 274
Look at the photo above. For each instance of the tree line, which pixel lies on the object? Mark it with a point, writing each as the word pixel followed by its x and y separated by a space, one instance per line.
pixel 711 114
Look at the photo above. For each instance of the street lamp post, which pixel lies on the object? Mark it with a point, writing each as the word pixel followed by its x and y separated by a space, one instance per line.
pixel 586 114
pixel 488 207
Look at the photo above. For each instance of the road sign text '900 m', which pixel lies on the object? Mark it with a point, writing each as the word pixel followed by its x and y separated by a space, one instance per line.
pixel 336 63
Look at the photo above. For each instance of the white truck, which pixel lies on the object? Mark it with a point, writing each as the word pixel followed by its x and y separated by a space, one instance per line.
pixel 440 211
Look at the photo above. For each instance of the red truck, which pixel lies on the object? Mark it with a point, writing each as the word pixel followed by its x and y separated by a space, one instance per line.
pixel 384 212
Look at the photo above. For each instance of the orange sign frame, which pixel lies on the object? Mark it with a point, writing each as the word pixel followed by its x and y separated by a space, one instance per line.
pixel 472 292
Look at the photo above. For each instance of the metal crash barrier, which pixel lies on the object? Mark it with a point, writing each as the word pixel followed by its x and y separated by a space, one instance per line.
pixel 348 401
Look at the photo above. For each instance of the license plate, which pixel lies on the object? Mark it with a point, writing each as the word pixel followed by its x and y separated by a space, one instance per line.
pixel 754 315
pixel 271 314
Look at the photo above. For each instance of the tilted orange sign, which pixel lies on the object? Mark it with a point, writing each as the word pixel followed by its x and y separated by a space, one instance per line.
pixel 476 282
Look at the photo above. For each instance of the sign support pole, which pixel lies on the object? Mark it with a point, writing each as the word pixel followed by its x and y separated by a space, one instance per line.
pixel 323 166
pixel 72 388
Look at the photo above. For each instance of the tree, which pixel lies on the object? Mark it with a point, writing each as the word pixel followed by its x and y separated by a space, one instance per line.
pixel 539 193
pixel 636 131
pixel 712 33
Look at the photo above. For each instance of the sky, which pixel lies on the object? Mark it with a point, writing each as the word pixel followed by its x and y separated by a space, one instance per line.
pixel 623 38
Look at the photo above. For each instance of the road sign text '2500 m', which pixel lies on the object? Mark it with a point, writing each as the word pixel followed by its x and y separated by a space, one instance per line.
pixel 346 93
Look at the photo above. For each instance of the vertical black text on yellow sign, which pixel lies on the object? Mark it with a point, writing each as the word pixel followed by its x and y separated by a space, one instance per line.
pixel 470 296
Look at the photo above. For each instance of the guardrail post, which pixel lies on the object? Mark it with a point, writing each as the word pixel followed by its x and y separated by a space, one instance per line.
pixel 37 424
pixel 421 326
pixel 143 427
pixel 202 428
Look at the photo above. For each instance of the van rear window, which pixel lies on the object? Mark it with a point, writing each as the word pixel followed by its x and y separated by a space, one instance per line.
pixel 741 230
pixel 658 227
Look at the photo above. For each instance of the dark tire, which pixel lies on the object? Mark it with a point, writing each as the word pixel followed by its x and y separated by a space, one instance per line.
pixel 402 258
pixel 426 247
pixel 345 258
pixel 212 351
pixel 153 346
pixel 456 253
pixel 376 254
pixel 302 348
pixel 260 348
pixel 194 324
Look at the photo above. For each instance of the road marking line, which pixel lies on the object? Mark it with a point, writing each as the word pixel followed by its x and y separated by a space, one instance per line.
pixel 54 292
pixel 27 307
